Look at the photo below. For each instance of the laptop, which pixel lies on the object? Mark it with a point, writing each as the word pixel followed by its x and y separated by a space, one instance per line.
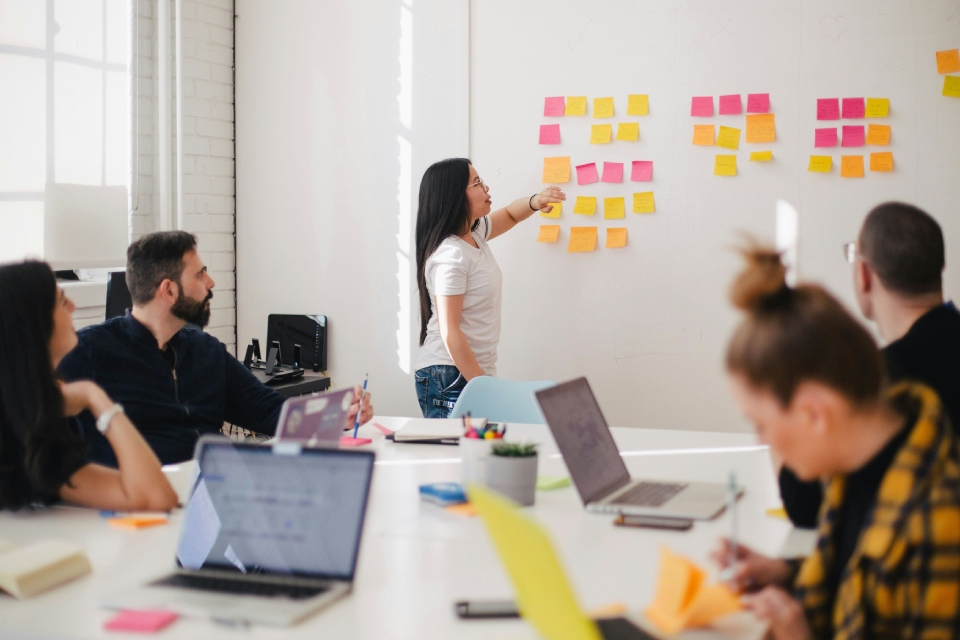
pixel 544 595
pixel 315 420
pixel 270 535
pixel 599 473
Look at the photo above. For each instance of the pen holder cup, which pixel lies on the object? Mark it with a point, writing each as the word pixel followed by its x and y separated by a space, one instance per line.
pixel 474 454
pixel 514 477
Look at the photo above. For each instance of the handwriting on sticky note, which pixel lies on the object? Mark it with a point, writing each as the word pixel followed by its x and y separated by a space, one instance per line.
pixel 629 131
pixel 703 134
pixel 616 237
pixel 761 128
pixel 555 211
pixel 643 202
pixel 951 86
pixel 878 134
pixel 854 107
pixel 877 107
pixel 853 136
pixel 638 104
pixel 549 134
pixel 553 106
pixel 851 166
pixel 603 107
pixel 828 108
pixel 585 205
pixel 881 161
pixel 725 165
pixel 730 105
pixel 948 61
pixel 728 138
pixel 586 173
pixel 701 107
pixel 582 239
pixel 826 137
pixel 612 172
pixel 761 156
pixel 556 170
pixel 601 133
pixel 613 208
pixel 576 106
pixel 758 103
pixel 642 171
pixel 820 164
pixel 549 233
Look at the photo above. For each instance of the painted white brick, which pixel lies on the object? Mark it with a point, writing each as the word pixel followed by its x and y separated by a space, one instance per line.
pixel 223 299
pixel 210 166
pixel 220 205
pixel 221 148
pixel 222 74
pixel 215 128
pixel 221 36
pixel 226 280
pixel 221 17
pixel 221 186
pixel 197 69
pixel 215 242
pixel 223 334
pixel 195 145
pixel 216 54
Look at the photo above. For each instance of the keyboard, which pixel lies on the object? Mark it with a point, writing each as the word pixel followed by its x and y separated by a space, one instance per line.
pixel 650 494
pixel 621 629
pixel 244 587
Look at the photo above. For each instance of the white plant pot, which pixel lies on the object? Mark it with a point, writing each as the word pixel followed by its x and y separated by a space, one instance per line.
pixel 514 477
pixel 474 453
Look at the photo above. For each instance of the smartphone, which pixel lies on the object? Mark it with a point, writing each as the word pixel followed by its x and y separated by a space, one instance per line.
pixel 654 522
pixel 486 609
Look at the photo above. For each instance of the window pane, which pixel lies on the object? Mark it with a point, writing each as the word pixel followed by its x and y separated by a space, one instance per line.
pixel 22 23
pixel 118 31
pixel 21 230
pixel 81 28
pixel 78 124
pixel 118 128
pixel 23 138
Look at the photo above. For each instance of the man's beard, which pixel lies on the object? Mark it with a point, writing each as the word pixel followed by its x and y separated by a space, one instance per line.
pixel 196 312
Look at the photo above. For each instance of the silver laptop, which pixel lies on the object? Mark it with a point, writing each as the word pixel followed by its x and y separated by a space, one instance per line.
pixel 315 420
pixel 270 534
pixel 602 480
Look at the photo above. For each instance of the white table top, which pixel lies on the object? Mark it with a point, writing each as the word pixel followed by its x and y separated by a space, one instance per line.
pixel 415 558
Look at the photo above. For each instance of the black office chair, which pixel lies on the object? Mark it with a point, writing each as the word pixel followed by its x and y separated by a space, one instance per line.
pixel 118 296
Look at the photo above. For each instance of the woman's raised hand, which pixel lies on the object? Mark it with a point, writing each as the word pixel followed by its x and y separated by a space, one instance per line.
pixel 548 196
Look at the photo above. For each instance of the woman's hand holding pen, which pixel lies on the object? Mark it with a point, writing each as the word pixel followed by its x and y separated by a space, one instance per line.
pixel 361 403
pixel 751 571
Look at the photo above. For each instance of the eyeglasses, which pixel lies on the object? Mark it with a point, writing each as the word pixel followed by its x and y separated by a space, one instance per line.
pixel 850 252
pixel 478 183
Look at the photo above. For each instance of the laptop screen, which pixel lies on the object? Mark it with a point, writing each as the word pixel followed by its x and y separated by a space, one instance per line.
pixel 257 510
pixel 588 449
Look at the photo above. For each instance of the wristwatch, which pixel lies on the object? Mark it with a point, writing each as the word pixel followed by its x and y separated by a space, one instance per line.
pixel 103 422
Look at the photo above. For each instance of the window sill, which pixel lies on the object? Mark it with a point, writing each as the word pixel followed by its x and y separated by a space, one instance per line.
pixel 85 294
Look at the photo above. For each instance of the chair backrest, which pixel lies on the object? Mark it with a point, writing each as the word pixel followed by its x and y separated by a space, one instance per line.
pixel 501 400
pixel 118 296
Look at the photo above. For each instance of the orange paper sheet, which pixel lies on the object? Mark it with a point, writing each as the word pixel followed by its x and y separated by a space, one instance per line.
pixel 616 237
pixel 761 127
pixel 582 239
pixel 878 134
pixel 703 135
pixel 137 522
pixel 851 166
pixel 882 161
pixel 549 233
pixel 682 599
pixel 556 170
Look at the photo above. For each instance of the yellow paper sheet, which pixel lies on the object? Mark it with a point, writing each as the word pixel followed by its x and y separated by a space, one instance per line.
pixel 613 208
pixel 603 107
pixel 882 161
pixel 556 170
pixel 553 213
pixel 549 233
pixel 643 202
pixel 951 86
pixel 629 131
pixel 761 156
pixel 761 127
pixel 601 133
pixel 948 61
pixel 878 134
pixel 851 166
pixel 582 239
pixel 728 138
pixel 820 164
pixel 725 165
pixel 877 108
pixel 703 135
pixel 638 104
pixel 585 205
pixel 576 106
pixel 616 237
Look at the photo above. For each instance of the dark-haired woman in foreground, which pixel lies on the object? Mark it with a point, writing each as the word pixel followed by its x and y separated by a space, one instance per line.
pixel 459 280
pixel 41 451
pixel 887 561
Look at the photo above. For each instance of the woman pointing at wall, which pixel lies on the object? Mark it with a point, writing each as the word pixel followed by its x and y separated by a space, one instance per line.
pixel 459 281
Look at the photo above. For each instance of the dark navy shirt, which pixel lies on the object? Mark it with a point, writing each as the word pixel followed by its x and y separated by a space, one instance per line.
pixel 172 396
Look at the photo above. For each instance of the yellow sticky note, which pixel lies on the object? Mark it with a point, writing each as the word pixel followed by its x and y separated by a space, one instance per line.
pixel 613 208
pixel 549 233
pixel 878 134
pixel 729 138
pixel 882 161
pixel 725 165
pixel 553 213
pixel 948 61
pixel 761 156
pixel 703 135
pixel 851 166
pixel 778 512
pixel 951 86
pixel 601 133
pixel 643 202
pixel 638 104
pixel 877 108
pixel 820 164
pixel 603 107
pixel 576 106
pixel 628 131
pixel 556 170
pixel 582 239
pixel 761 127
pixel 586 205
pixel 616 237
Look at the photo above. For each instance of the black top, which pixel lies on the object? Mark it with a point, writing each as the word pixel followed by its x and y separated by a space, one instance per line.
pixel 18 490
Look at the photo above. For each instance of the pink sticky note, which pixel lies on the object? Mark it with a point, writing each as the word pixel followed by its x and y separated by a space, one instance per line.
pixel 828 109
pixel 348 441
pixel 642 171
pixel 826 137
pixel 853 136
pixel 549 134
pixel 702 107
pixel 142 621
pixel 758 103
pixel 554 106
pixel 612 172
pixel 586 173
pixel 730 105
pixel 382 429
pixel 853 107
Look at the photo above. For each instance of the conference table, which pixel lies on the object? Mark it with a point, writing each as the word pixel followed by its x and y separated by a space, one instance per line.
pixel 416 559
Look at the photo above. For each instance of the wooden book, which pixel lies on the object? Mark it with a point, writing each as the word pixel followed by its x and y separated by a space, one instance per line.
pixel 27 571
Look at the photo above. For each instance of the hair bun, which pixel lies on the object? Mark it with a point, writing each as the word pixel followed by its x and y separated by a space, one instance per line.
pixel 762 280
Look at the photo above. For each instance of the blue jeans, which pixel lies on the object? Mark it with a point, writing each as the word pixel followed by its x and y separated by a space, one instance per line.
pixel 438 387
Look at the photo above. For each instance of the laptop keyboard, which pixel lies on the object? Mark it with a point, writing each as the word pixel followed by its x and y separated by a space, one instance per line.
pixel 650 494
pixel 239 587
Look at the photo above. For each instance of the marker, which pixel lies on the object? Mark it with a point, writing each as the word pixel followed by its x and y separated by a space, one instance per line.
pixel 356 423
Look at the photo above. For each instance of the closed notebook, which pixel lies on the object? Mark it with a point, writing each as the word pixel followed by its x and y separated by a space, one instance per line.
pixel 420 429
pixel 27 571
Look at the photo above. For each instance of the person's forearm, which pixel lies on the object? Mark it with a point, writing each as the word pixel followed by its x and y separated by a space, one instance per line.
pixel 462 354
pixel 519 210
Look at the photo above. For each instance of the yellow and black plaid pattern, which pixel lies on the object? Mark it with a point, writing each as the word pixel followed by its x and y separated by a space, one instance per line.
pixel 903 579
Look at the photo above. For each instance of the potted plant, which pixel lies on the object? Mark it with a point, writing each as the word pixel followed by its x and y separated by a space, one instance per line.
pixel 512 471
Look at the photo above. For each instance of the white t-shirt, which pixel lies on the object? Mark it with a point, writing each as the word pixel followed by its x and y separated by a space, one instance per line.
pixel 455 268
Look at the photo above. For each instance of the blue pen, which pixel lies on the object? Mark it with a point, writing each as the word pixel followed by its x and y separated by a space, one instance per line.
pixel 356 423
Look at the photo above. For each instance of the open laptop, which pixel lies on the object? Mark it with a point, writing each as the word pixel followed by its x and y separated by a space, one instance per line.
pixel 270 534
pixel 315 420
pixel 602 480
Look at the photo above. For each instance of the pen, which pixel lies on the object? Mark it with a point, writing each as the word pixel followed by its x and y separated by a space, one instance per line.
pixel 356 422
pixel 732 508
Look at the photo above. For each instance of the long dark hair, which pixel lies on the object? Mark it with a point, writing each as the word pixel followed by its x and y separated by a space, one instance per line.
pixel 443 211
pixel 38 450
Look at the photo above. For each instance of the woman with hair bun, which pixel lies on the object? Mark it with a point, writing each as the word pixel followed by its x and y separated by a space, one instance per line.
pixel 887 559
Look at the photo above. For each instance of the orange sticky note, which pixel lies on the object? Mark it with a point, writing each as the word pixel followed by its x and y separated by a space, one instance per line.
pixel 549 233
pixel 948 61
pixel 851 166
pixel 703 135
pixel 576 106
pixel 464 509
pixel 613 208
pixel 882 161
pixel 820 164
pixel 878 134
pixel 616 237
pixel 556 170
pixel 137 522
pixel 603 107
pixel 761 127
pixel 582 239
pixel 643 202
pixel 725 165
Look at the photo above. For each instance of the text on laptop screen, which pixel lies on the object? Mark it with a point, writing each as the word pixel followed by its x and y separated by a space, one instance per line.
pixel 255 511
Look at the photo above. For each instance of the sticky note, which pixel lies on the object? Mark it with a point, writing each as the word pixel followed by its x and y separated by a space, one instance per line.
pixel 730 105
pixel 642 171
pixel 582 239
pixel 851 166
pixel 554 212
pixel 612 172
pixel 853 107
pixel 616 237
pixel 702 107
pixel 613 208
pixel 382 429
pixel 137 522
pixel 557 169
pixel 552 483
pixel 761 128
pixel 820 164
pixel 778 512
pixel 878 134
pixel 948 61
pixel 549 233
pixel 853 136
pixel 349 441
pixel 576 106
pixel 549 134
pixel 878 107
pixel 585 205
pixel 758 103
pixel 828 109
pixel 553 106
pixel 825 137
pixel 703 134
pixel 601 133
pixel 881 161
pixel 761 156
pixel 951 86
pixel 586 174
pixel 629 131
pixel 603 107
pixel 638 104
pixel 141 621
pixel 725 165
pixel 643 202
pixel 729 138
